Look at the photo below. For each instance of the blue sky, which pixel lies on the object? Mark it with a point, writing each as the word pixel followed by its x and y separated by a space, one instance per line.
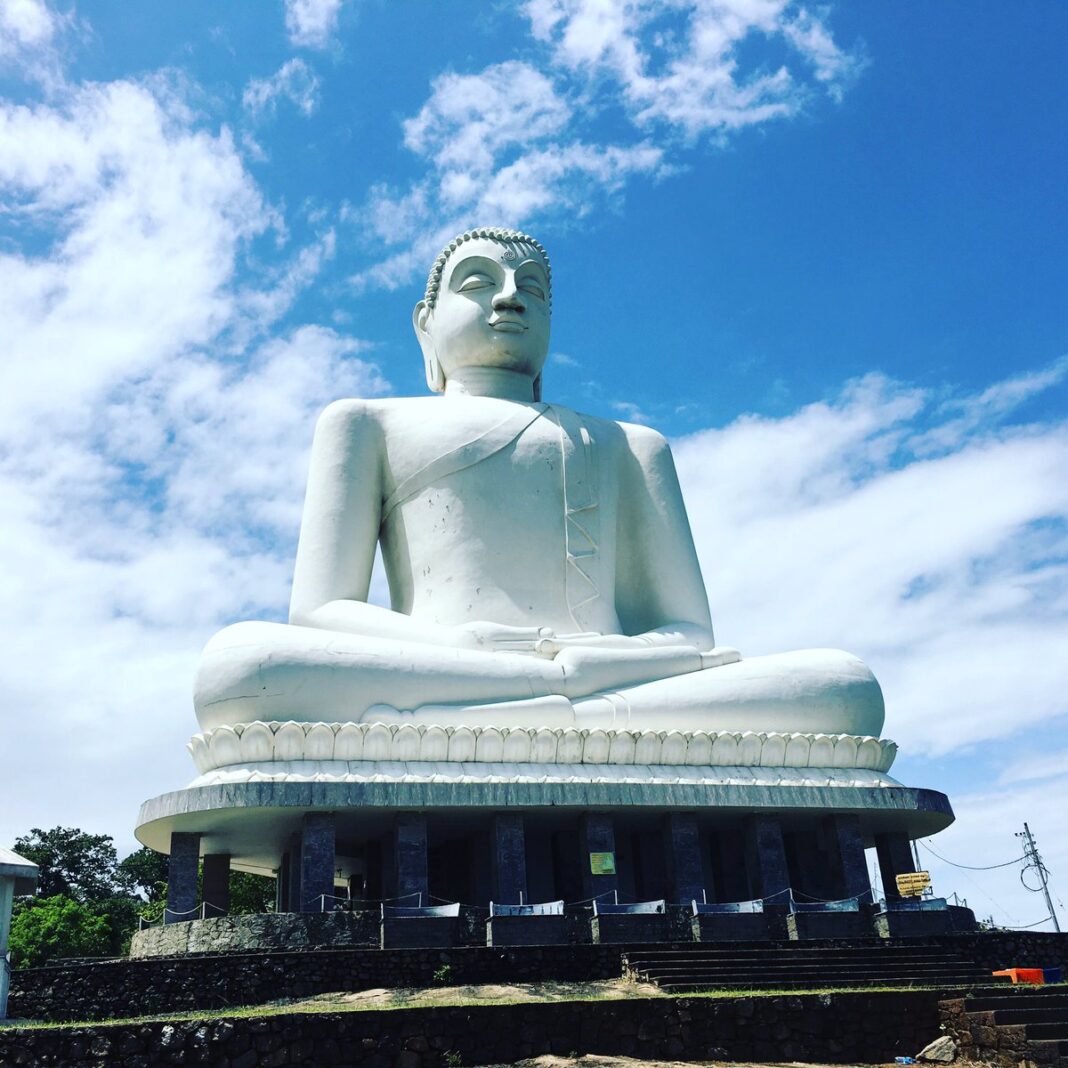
pixel 822 248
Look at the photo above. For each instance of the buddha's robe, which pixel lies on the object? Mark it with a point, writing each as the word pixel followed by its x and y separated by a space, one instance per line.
pixel 526 516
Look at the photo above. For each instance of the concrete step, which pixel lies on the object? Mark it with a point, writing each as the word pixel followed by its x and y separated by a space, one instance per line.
pixel 949 983
pixel 795 949
pixel 1048 1050
pixel 809 964
pixel 707 952
pixel 806 969
pixel 1058 1030
pixel 1033 998
pixel 814 974
pixel 639 964
pixel 704 950
pixel 1057 1014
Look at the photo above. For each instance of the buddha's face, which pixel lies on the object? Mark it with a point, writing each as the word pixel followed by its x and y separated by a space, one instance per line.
pixel 492 310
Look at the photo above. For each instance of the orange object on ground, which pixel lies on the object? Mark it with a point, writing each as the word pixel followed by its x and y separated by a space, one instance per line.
pixel 1023 975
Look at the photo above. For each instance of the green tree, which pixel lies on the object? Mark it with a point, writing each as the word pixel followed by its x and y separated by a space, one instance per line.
pixel 44 928
pixel 144 872
pixel 250 893
pixel 72 863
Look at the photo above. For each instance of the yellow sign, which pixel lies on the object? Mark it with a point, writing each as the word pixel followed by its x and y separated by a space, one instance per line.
pixel 913 883
pixel 603 863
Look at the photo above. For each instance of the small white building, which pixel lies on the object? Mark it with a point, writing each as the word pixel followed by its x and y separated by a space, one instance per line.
pixel 17 876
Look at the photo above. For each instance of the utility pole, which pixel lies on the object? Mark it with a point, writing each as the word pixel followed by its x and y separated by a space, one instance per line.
pixel 1035 861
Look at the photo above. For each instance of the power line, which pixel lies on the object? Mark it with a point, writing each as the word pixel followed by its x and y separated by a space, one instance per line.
pixel 970 867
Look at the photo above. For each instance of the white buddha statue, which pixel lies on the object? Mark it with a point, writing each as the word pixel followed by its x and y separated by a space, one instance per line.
pixel 540 562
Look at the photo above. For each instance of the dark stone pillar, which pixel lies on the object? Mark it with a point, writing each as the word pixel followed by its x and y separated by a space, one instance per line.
pixel 596 835
pixel 410 858
pixel 182 877
pixel 682 846
pixel 895 858
pixel 509 859
pixel 765 857
pixel 293 883
pixel 316 861
pixel 846 847
pixel 281 890
pixel 216 884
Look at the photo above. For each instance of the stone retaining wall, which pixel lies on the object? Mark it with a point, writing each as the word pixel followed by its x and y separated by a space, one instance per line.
pixel 95 991
pixel 295 930
pixel 1014 949
pixel 842 1028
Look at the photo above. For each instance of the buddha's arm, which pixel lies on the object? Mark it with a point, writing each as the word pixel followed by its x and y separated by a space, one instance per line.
pixel 339 532
pixel 660 594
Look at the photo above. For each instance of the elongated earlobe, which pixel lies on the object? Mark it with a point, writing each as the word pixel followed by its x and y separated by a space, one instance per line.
pixel 435 377
pixel 537 388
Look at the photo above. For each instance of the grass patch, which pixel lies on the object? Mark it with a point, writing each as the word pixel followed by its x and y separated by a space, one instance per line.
pixel 457 996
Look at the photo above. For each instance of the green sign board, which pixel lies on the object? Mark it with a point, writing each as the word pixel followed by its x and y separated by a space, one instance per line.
pixel 603 863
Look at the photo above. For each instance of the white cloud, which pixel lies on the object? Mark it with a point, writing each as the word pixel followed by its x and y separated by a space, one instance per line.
pixel 678 63
pixel 499 153
pixel 153 434
pixel 1036 767
pixel 511 143
pixel 471 119
pixel 143 217
pixel 984 834
pixel 29 34
pixel 294 81
pixel 25 25
pixel 311 23
pixel 836 526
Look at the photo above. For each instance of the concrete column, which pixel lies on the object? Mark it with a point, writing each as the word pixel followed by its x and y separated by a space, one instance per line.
pixel 410 857
pixel 7 895
pixel 216 884
pixel 182 877
pixel 293 882
pixel 765 856
pixel 316 861
pixel 509 858
pixel 846 846
pixel 596 835
pixel 281 888
pixel 682 847
pixel 895 858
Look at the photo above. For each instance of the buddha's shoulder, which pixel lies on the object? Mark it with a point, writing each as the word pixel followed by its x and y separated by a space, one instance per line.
pixel 642 440
pixel 381 412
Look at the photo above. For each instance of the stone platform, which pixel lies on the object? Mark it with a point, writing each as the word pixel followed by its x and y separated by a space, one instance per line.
pixel 387 812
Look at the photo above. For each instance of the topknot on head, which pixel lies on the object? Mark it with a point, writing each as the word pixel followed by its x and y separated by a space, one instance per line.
pixel 500 234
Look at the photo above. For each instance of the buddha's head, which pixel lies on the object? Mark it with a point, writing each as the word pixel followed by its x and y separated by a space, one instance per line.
pixel 487 304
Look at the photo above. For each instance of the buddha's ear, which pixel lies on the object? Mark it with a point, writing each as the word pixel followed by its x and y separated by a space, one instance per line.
pixel 537 388
pixel 435 377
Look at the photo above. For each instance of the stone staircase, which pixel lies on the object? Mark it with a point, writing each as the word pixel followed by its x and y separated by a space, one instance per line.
pixel 800 965
pixel 1011 1027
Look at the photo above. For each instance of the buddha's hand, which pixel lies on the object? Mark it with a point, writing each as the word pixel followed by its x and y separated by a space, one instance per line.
pixel 489 637
pixel 589 670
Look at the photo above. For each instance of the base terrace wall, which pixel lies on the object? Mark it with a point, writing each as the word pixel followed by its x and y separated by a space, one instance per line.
pixel 841 1028
pixel 123 988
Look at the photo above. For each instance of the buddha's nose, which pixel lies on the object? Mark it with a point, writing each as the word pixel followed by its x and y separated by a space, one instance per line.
pixel 508 297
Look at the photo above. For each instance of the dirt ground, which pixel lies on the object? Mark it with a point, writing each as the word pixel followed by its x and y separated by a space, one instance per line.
pixel 380 998
pixel 592 1060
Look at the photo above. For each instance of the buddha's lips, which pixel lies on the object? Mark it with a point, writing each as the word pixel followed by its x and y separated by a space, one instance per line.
pixel 509 326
